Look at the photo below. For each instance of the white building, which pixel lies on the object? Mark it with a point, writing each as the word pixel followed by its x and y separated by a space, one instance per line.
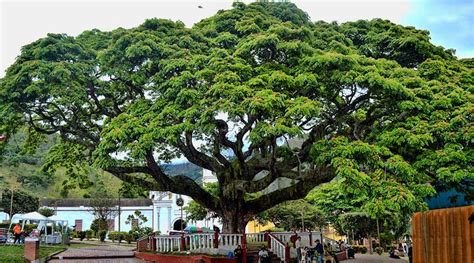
pixel 161 210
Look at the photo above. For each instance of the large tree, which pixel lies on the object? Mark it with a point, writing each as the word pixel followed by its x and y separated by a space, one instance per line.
pixel 269 101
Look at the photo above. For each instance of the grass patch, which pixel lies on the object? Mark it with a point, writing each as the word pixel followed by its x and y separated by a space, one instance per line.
pixel 14 253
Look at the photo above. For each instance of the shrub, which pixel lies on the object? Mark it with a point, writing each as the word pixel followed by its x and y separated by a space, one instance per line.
pixel 89 234
pixel 360 249
pixel 114 235
pixel 129 238
pixel 138 233
pixel 74 234
pixel 102 234
pixel 29 227
pixel 99 224
pixel 276 229
pixel 47 212
pixel 81 235
pixel 379 250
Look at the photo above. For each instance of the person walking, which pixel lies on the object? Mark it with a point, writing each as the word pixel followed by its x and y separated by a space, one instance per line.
pixel 293 238
pixel 319 250
pixel 298 249
pixel 17 233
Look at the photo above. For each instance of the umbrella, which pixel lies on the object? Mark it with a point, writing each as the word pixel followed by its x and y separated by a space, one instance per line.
pixel 195 229
pixel 206 230
pixel 191 229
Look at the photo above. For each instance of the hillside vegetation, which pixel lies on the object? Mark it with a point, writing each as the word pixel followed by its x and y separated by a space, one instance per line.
pixel 20 169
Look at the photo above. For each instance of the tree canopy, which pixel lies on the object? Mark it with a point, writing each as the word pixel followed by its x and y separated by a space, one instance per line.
pixel 22 202
pixel 272 103
pixel 298 214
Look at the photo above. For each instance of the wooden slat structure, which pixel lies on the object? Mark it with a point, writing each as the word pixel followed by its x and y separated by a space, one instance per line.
pixel 444 235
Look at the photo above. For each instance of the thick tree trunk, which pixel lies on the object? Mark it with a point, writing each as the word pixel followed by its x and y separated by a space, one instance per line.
pixel 234 223
pixel 234 220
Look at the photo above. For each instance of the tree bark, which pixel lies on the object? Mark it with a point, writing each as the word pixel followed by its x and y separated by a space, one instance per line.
pixel 234 214
pixel 234 222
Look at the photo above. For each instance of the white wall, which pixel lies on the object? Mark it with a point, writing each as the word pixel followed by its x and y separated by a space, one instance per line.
pixel 85 213
pixel 71 216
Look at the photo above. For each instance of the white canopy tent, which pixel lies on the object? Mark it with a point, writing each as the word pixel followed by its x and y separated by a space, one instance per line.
pixel 61 222
pixel 42 221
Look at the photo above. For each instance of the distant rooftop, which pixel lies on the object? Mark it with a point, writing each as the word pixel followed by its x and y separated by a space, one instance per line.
pixel 77 202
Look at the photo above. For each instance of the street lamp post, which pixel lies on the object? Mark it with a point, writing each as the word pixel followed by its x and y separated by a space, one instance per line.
pixel 180 203
pixel 119 222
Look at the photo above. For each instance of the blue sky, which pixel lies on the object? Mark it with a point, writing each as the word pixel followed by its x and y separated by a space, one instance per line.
pixel 450 22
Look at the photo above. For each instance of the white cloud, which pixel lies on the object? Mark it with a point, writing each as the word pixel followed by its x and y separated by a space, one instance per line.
pixel 351 10
pixel 23 22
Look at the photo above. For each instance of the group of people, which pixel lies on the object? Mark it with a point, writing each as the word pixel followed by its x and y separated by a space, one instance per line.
pixel 263 255
pixel 306 254
pixel 19 234
pixel 403 249
pixel 319 252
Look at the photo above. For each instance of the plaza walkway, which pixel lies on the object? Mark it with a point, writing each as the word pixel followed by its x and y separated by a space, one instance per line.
pixel 101 260
pixel 367 258
pixel 97 254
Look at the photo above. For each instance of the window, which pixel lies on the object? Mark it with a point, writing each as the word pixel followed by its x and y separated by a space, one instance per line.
pixel 78 224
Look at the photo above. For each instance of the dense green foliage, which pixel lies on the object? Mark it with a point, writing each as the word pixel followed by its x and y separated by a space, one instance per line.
pixel 99 224
pixel 356 211
pixel 195 212
pixel 271 102
pixel 298 214
pixel 47 212
pixel 22 202
pixel 22 168
pixel 138 230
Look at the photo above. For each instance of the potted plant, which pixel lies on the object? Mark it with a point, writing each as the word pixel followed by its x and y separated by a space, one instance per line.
pixel 379 250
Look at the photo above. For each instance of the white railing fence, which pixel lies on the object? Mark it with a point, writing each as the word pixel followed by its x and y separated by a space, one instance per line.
pixel 278 247
pixel 283 236
pixel 168 243
pixel 230 241
pixel 203 242
pixel 256 237
pixel 199 241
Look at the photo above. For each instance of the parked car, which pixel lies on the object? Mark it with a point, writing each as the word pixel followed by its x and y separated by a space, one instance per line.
pixel 3 235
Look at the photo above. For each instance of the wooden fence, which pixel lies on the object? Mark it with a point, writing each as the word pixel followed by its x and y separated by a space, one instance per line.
pixel 444 235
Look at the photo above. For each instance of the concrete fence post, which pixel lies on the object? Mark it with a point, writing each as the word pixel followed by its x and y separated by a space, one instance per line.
pixel 244 247
pixel 183 243
pixel 287 254
pixel 267 239
pixel 216 239
pixel 31 252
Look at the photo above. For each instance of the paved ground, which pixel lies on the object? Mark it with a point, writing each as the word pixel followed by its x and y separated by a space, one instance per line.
pixel 97 254
pixel 367 258
pixel 102 260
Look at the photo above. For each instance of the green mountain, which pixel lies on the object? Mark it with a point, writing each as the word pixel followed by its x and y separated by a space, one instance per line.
pixel 20 169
